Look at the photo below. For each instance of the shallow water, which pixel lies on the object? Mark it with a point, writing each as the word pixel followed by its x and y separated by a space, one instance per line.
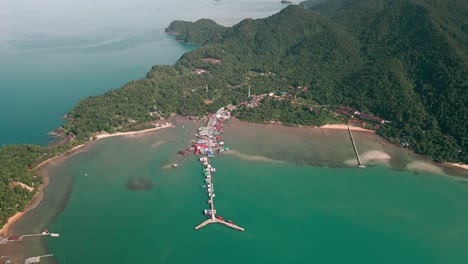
pixel 54 53
pixel 292 213
pixel 312 206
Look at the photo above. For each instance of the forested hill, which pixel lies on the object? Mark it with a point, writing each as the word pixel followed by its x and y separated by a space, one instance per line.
pixel 198 32
pixel 403 60
pixel 394 59
pixel 414 49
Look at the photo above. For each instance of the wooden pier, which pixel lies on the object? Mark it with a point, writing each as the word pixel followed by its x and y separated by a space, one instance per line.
pixel 20 238
pixel 213 218
pixel 36 259
pixel 219 221
pixel 212 122
pixel 4 240
pixel 355 150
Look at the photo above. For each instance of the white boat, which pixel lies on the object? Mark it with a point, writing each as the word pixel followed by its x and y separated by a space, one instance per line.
pixel 175 165
pixel 54 235
pixel 208 212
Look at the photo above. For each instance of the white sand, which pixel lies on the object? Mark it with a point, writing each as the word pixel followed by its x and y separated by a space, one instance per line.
pixel 458 165
pixel 372 155
pixel 132 133
pixel 345 127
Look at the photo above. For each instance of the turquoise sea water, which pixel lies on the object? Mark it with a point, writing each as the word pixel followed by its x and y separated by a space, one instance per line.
pixel 54 53
pixel 295 191
pixel 291 213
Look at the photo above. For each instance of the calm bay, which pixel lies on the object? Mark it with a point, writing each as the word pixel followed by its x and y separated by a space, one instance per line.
pixel 295 190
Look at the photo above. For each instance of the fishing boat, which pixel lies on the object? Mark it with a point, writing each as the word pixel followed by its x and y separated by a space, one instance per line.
pixel 54 235
pixel 208 212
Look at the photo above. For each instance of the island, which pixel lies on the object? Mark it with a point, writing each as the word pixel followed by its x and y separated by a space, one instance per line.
pixel 397 67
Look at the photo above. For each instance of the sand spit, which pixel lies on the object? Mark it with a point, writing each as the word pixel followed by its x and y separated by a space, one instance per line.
pixel 251 157
pixel 43 166
pixel 372 155
pixel 132 133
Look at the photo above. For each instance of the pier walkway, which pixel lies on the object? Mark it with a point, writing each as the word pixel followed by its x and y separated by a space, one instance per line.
pixel 4 240
pixel 213 127
pixel 355 150
pixel 36 259
pixel 212 221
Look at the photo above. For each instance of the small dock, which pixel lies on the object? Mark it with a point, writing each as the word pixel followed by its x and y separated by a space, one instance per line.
pixel 211 221
pixel 355 150
pixel 36 259
pixel 20 238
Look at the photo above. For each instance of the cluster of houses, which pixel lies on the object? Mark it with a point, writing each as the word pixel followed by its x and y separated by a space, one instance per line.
pixel 209 137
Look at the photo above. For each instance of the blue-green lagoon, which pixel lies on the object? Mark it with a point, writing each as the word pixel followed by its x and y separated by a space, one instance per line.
pixel 296 191
pixel 128 204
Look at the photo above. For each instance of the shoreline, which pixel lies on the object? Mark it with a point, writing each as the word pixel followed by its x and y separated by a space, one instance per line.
pixel 345 127
pixel 457 165
pixel 43 166
pixel 38 196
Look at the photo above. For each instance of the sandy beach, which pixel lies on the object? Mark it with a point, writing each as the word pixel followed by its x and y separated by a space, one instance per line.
pixel 458 165
pixel 11 220
pixel 132 133
pixel 345 127
pixel 42 167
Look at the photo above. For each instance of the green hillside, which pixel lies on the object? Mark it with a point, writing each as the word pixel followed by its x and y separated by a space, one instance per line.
pixel 416 72
pixel 389 58
pixel 402 60
pixel 198 32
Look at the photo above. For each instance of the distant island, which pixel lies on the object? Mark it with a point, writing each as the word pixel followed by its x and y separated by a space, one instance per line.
pixel 398 67
pixel 286 2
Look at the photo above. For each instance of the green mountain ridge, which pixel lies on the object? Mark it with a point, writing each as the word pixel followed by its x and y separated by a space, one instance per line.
pixel 403 60
pixel 198 32
pixel 401 68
